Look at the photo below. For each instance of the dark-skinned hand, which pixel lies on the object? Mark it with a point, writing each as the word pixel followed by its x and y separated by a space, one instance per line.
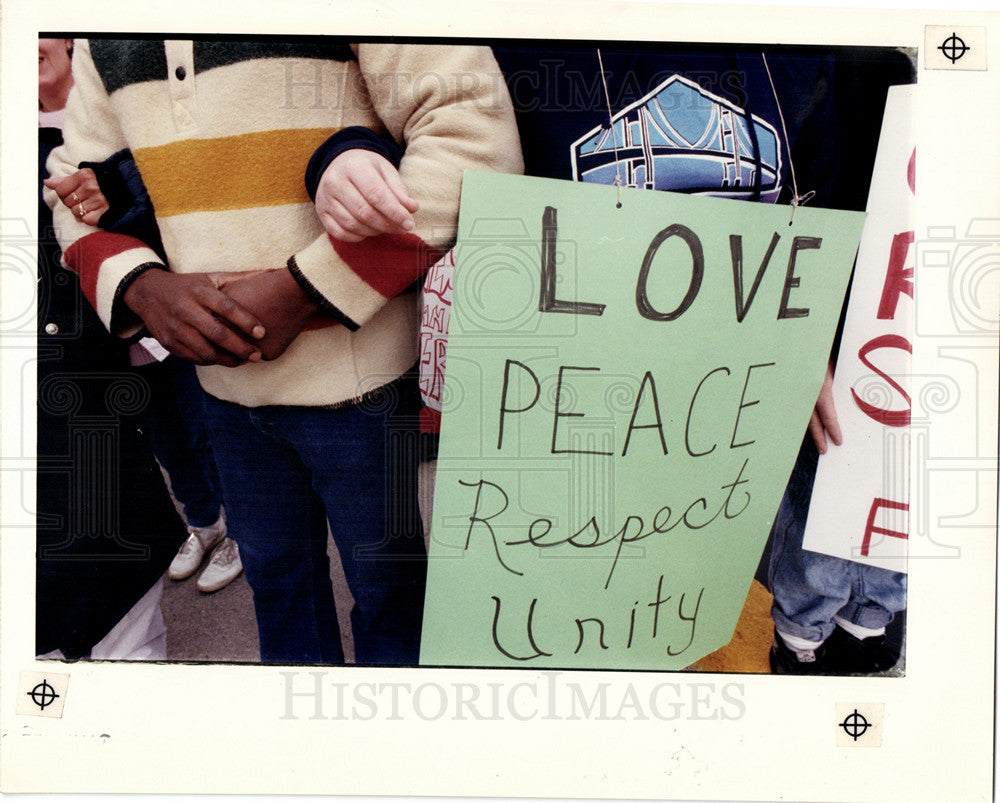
pixel 275 299
pixel 195 320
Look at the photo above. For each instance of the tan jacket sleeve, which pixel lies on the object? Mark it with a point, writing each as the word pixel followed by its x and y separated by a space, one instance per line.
pixel 450 108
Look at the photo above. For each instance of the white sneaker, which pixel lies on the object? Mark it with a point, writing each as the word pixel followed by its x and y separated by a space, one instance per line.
pixel 201 539
pixel 224 567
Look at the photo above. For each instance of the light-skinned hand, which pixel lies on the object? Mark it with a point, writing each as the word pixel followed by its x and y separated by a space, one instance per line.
pixel 80 192
pixel 362 195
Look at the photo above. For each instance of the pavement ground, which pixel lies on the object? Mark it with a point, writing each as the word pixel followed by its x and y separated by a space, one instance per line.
pixel 220 627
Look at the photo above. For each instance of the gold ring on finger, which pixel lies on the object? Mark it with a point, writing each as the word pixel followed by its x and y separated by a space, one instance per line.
pixel 81 211
pixel 76 198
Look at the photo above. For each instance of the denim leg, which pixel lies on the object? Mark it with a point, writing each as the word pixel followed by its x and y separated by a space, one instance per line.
pixel 175 421
pixel 876 596
pixel 280 526
pixel 810 588
pixel 363 461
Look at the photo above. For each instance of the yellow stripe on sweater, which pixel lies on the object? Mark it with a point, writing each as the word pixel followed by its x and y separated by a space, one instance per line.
pixel 265 168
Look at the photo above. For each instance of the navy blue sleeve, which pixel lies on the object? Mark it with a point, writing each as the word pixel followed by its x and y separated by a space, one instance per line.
pixel 130 208
pixel 113 185
pixel 353 137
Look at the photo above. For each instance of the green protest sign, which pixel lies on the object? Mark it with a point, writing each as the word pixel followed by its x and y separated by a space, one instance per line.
pixel 626 391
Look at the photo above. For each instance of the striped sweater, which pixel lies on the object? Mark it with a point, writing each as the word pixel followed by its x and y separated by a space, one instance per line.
pixel 222 133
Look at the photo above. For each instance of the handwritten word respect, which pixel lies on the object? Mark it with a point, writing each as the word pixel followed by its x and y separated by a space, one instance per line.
pixel 487 512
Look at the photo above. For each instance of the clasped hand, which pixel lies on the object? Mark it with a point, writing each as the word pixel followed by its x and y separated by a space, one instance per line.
pixel 81 193
pixel 221 318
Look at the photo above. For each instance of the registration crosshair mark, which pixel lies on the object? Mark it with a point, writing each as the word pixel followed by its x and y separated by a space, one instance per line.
pixel 43 695
pixel 855 725
pixel 953 47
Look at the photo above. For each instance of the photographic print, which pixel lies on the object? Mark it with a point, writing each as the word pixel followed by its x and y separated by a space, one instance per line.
pixel 626 396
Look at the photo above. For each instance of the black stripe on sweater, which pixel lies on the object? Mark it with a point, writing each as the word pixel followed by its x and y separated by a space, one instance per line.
pixel 208 55
pixel 123 62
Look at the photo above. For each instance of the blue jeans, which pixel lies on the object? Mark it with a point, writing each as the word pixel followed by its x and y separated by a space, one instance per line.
pixel 809 588
pixel 175 420
pixel 285 471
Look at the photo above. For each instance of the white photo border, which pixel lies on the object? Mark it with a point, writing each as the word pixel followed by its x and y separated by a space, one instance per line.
pixel 235 729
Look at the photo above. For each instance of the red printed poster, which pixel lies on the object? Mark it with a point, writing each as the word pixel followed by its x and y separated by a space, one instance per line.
pixel 434 318
pixel 860 507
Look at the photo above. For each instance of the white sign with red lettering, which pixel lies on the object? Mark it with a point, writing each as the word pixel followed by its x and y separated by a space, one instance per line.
pixel 860 508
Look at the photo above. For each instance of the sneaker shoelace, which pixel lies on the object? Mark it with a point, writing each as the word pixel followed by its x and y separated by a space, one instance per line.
pixel 225 554
pixel 189 545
